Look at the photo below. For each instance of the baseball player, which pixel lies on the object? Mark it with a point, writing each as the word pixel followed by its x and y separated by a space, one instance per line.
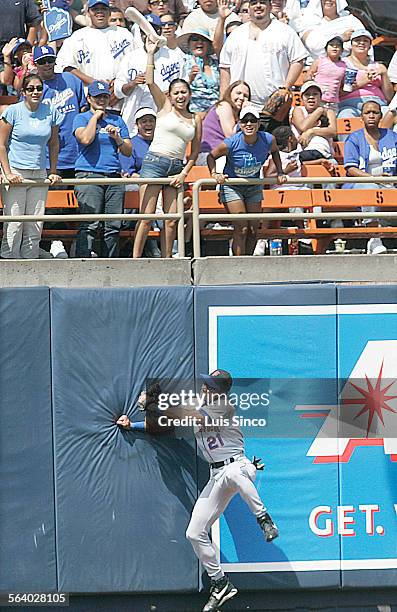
pixel 222 445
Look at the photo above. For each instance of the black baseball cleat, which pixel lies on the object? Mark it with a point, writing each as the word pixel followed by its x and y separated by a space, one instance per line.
pixel 268 527
pixel 221 590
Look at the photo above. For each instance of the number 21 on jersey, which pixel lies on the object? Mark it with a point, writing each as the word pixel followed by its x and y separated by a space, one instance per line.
pixel 215 441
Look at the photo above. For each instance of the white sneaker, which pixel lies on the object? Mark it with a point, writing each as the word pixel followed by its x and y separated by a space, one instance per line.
pixel 57 250
pixel 375 246
pixel 260 247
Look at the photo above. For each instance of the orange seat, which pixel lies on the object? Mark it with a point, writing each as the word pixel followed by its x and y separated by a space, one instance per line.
pixel 348 125
pixel 339 148
pixel 61 199
pixel 131 199
pixel 4 100
pixel 354 198
pixel 286 198
pixel 198 172
pixel 296 99
pixel 320 170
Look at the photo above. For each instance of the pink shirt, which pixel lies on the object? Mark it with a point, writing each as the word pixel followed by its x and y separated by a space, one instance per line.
pixel 330 76
pixel 374 88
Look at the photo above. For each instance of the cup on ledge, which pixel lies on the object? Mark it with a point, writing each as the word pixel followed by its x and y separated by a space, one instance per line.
pixel 350 77
pixel 340 245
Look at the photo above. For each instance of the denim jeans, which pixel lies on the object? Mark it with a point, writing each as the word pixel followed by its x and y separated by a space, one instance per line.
pixel 99 199
pixel 158 166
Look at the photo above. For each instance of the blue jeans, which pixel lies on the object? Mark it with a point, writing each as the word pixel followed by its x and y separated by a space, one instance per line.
pixel 249 194
pixel 99 199
pixel 352 106
pixel 159 166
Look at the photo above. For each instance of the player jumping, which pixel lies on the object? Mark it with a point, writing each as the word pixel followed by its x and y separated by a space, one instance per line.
pixel 222 445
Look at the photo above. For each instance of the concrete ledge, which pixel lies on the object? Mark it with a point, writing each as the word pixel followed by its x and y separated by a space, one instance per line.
pixel 94 272
pixel 287 269
pixel 205 271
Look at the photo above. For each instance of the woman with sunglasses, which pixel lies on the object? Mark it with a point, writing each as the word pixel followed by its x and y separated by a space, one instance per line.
pixel 26 129
pixel 201 69
pixel 176 127
pixel 245 152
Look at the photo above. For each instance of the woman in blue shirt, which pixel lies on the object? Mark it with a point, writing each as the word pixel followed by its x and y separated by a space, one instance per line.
pixel 25 130
pixel 245 152
pixel 371 151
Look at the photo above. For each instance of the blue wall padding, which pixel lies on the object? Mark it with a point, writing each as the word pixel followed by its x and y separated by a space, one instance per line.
pixel 365 340
pixel 123 499
pixel 27 534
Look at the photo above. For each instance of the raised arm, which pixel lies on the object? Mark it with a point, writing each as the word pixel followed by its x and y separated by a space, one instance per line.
pixel 158 96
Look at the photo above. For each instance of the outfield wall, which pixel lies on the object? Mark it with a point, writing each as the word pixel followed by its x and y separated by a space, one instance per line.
pixel 85 507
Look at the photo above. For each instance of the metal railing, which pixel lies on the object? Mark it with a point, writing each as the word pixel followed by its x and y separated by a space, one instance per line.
pixel 178 216
pixel 198 216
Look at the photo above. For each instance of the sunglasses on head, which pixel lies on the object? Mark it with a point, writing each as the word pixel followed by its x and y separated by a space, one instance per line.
pixel 32 88
pixel 45 60
pixel 157 2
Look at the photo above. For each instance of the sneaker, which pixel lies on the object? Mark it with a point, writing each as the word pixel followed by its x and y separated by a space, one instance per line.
pixel 268 527
pixel 221 590
pixel 260 247
pixel 375 246
pixel 57 250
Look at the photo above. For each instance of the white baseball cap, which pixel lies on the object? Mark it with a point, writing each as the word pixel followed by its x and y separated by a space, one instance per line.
pixel 142 112
pixel 361 32
pixel 249 110
pixel 307 84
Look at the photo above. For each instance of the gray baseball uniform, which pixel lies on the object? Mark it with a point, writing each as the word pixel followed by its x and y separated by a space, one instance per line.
pixel 220 441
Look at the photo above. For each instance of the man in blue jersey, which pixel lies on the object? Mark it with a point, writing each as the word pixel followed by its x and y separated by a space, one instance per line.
pixel 65 92
pixel 100 138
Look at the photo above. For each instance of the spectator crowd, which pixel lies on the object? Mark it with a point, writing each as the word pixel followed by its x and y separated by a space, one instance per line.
pixel 211 86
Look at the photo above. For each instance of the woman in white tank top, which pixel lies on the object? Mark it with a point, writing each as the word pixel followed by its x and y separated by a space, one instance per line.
pixel 176 127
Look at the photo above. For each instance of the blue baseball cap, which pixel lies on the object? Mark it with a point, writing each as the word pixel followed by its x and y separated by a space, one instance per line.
pixel 92 3
pixel 44 51
pixel 153 19
pixel 218 379
pixel 20 41
pixel 98 88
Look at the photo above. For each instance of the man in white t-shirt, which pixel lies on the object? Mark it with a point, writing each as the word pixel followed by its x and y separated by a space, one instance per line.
pixel 94 53
pixel 130 85
pixel 264 52
pixel 221 443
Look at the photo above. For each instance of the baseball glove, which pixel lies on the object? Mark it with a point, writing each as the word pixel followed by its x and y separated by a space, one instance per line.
pixel 278 104
pixel 257 462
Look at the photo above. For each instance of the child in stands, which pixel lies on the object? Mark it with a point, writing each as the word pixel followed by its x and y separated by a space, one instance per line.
pixel 329 72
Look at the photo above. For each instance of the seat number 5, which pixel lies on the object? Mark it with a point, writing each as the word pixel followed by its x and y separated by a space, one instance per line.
pixel 215 441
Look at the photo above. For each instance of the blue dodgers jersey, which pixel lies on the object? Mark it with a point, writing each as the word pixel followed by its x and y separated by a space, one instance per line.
pixel 65 92
pixel 245 160
pixel 132 164
pixel 102 154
